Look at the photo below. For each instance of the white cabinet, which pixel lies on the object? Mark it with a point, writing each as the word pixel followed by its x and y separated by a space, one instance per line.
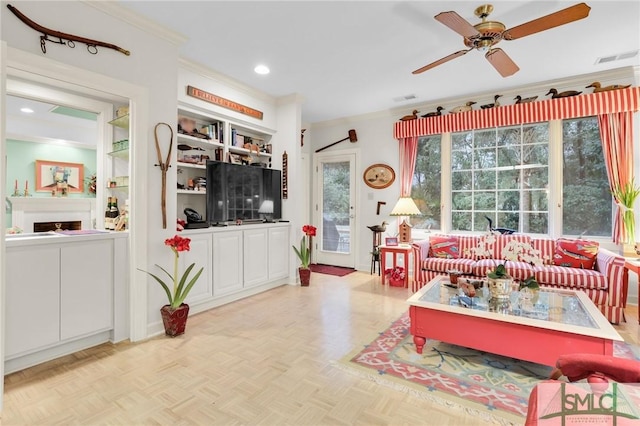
pixel 227 262
pixel 32 298
pixel 255 254
pixel 61 296
pixel 86 288
pixel 278 253
pixel 200 253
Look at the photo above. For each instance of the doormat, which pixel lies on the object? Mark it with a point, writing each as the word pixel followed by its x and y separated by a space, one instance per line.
pixel 492 387
pixel 338 271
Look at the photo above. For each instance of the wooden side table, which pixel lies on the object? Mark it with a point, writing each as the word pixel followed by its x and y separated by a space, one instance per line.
pixel 404 250
pixel 632 265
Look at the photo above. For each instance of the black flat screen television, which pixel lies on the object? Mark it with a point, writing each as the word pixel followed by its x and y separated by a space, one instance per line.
pixel 236 191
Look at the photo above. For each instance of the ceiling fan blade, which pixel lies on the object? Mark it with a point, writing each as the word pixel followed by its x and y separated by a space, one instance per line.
pixel 501 62
pixel 564 16
pixel 457 23
pixel 440 61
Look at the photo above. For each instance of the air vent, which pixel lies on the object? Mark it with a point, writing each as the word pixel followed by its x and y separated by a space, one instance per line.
pixel 404 98
pixel 618 57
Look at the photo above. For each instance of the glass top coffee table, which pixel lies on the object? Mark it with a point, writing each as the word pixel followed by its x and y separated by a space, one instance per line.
pixel 539 330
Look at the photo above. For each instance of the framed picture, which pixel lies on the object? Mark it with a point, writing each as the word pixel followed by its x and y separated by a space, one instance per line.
pixel 391 241
pixel 235 158
pixel 52 175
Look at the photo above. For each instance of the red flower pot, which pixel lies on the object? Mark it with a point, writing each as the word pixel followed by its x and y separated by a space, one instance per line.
pixel 396 282
pixel 174 320
pixel 305 276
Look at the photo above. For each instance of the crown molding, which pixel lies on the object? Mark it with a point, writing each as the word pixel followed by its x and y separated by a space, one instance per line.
pixel 207 72
pixel 127 15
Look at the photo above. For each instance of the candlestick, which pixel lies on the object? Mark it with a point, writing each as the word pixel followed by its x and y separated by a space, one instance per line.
pixel 16 187
pixel 26 186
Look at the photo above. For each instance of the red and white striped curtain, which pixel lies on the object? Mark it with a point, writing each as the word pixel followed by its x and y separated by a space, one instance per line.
pixel 616 133
pixel 408 154
pixel 592 104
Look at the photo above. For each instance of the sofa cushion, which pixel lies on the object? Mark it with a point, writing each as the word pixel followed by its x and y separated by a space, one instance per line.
pixel 465 266
pixel 517 270
pixel 570 277
pixel 575 253
pixel 443 247
pixel 499 246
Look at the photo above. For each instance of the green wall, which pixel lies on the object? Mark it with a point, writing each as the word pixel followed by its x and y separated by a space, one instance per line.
pixel 20 165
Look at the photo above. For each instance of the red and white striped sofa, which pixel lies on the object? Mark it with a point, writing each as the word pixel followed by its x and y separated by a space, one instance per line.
pixel 477 254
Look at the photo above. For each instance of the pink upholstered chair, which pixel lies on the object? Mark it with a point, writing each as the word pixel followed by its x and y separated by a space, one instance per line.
pixel 595 368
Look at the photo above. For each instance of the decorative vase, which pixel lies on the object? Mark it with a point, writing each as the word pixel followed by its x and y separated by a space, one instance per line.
pixel 500 289
pixel 305 276
pixel 174 320
pixel 396 282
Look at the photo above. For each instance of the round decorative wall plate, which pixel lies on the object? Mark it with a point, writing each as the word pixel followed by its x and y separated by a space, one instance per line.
pixel 379 176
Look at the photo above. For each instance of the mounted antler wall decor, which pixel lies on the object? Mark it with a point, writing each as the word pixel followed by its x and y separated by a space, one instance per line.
pixel 64 38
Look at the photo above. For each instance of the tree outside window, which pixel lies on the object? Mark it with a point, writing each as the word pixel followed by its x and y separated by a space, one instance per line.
pixel 425 190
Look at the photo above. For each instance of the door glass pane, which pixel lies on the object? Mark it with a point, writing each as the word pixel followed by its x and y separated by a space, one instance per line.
pixel 335 207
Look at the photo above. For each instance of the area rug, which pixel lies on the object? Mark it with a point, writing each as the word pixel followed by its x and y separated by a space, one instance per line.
pixel 338 271
pixel 492 387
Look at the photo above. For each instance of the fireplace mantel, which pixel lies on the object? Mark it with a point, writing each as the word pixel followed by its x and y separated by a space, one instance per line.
pixel 25 211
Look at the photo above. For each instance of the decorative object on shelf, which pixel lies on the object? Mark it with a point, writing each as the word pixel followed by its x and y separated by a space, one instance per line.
pixel 463 108
pixel 493 105
pixel 304 254
pixel 391 241
pixel 92 184
pixel 164 167
pixel 435 113
pixel 64 38
pixel 352 138
pixel 285 175
pixel 411 116
pixel 187 126
pixel 626 196
pixel 520 100
pixel 225 103
pixel 379 176
pixel 484 35
pixel 59 176
pixel 174 315
pixel 405 207
pixel 554 93
pixel 395 276
pixel 597 87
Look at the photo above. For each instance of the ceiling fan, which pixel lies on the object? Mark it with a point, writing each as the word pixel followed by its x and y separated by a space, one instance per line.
pixel 485 35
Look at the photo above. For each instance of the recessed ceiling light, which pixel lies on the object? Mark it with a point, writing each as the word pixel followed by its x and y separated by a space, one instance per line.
pixel 261 69
pixel 27 110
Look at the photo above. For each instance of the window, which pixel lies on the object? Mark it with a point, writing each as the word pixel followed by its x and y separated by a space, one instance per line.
pixel 425 190
pixel 503 175
pixel 586 197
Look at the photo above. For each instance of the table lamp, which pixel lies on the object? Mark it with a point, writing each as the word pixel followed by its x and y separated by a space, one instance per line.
pixel 266 208
pixel 405 207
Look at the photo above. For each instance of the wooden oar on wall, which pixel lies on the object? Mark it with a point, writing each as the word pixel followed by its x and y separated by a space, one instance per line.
pixel 352 138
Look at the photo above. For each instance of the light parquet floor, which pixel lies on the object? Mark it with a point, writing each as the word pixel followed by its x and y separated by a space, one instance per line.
pixel 265 360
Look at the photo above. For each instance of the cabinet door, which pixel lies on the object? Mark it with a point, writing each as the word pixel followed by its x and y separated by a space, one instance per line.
pixel 32 298
pixel 227 262
pixel 200 253
pixel 278 253
pixel 86 288
pixel 255 257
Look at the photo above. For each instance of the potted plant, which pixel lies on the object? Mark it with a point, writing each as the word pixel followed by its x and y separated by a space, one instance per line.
pixel 174 315
pixel 500 283
pixel 304 254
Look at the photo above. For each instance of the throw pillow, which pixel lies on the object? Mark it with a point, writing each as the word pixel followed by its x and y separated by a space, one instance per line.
pixel 444 247
pixel 575 253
